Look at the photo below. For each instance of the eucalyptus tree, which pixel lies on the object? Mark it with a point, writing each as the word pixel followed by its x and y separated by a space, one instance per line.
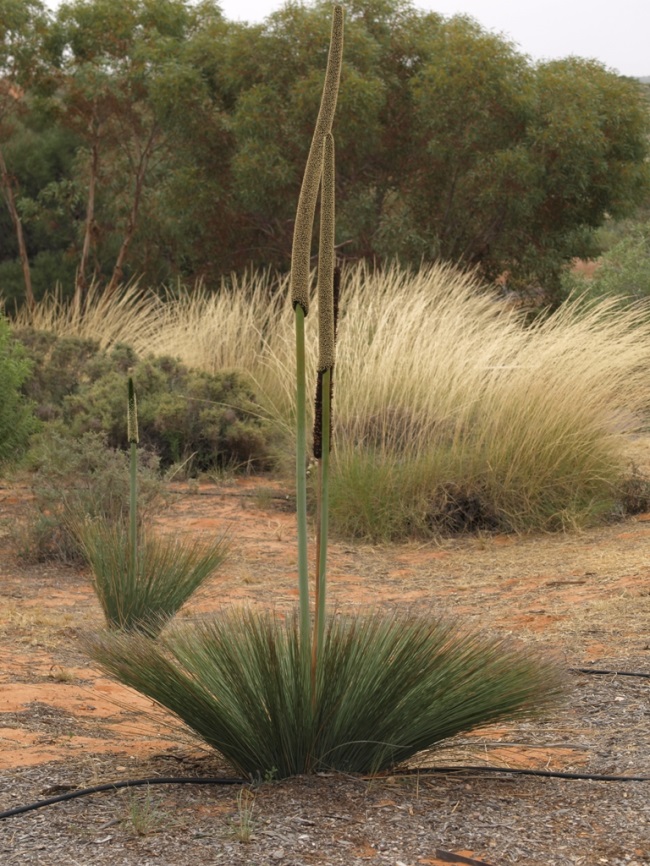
pixel 22 27
pixel 114 59
pixel 452 144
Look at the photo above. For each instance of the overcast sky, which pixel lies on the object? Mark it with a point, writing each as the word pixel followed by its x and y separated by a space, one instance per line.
pixel 616 32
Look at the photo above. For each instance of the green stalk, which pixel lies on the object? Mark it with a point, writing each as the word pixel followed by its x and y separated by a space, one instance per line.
pixel 301 480
pixel 300 272
pixel 133 437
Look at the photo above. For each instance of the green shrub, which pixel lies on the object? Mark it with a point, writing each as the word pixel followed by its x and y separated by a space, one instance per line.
pixel 212 420
pixel 623 272
pixel 17 421
pixel 78 479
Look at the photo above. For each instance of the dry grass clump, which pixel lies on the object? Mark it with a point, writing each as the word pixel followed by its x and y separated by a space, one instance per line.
pixel 131 315
pixel 457 416
pixel 452 414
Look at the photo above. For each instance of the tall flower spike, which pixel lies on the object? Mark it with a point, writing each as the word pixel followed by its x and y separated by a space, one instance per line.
pixel 132 415
pixel 306 210
pixel 327 274
pixel 326 343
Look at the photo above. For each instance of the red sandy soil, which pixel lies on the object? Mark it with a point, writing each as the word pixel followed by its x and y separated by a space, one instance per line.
pixel 585 597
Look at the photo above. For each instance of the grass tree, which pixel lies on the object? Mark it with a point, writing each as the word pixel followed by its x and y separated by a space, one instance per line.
pixel 141 580
pixel 309 692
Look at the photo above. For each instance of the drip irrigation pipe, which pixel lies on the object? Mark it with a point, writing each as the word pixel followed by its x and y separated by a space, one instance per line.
pixel 553 774
pixel 613 673
pixel 192 780
pixel 129 783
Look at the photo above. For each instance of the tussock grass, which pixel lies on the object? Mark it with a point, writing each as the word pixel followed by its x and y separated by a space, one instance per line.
pixel 142 597
pixel 450 413
pixel 131 315
pixel 387 687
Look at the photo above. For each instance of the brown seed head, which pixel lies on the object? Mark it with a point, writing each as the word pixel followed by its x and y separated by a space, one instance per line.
pixel 326 339
pixel 132 415
pixel 305 212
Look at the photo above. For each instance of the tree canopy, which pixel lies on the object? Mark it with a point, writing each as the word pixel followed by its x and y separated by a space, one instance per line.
pixel 154 138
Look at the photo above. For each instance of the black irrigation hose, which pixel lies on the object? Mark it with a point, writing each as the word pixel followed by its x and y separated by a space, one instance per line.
pixel 554 774
pixel 129 783
pixel 219 780
pixel 613 673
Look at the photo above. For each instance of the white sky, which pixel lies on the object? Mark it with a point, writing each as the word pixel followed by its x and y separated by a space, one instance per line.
pixel 616 32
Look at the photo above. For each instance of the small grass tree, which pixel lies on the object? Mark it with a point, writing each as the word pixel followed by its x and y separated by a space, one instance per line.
pixel 141 581
pixel 305 693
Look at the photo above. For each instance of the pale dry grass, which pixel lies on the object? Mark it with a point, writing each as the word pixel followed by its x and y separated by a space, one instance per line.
pixel 131 315
pixel 431 367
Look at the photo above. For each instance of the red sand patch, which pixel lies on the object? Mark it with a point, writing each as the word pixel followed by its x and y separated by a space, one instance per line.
pixel 564 592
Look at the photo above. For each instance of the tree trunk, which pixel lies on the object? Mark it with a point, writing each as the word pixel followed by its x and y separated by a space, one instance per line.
pixel 8 190
pixel 140 176
pixel 81 281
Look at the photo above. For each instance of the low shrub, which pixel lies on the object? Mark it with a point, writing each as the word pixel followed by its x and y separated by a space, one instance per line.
pixel 210 420
pixel 78 479
pixel 623 272
pixel 17 421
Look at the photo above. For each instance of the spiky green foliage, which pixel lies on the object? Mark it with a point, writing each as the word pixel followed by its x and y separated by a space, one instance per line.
pixel 388 687
pixel 144 595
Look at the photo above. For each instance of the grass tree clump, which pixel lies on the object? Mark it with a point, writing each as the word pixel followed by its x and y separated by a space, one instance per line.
pixel 141 592
pixel 388 687
pixel 141 581
pixel 311 692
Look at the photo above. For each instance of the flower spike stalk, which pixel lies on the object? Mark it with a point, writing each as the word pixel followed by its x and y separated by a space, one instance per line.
pixel 326 360
pixel 300 272
pixel 133 437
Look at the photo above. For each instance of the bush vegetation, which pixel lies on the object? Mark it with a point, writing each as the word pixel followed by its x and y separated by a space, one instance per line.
pixel 78 479
pixel 453 413
pixel 211 420
pixel 623 271
pixel 17 420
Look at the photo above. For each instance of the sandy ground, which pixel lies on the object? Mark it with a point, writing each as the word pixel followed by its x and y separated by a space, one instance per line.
pixel 583 597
